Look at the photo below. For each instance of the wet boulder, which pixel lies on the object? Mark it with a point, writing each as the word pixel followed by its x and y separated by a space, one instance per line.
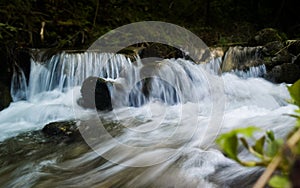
pixel 276 53
pixel 161 50
pixel 242 58
pixel 272 48
pixel 282 61
pixel 265 36
pixel 63 130
pixel 287 72
pixel 95 94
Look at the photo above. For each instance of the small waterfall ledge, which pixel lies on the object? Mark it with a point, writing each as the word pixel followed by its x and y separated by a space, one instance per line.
pixel 173 112
pixel 64 71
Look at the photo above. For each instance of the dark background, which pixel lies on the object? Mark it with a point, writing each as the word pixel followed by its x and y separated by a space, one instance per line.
pixel 70 23
pixel 75 24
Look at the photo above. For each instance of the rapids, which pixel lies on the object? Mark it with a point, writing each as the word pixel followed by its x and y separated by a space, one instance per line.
pixel 164 142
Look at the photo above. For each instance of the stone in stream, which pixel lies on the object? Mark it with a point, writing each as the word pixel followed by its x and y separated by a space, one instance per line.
pixel 242 58
pixel 95 94
pixel 281 58
pixel 287 72
pixel 62 130
pixel 276 53
pixel 5 97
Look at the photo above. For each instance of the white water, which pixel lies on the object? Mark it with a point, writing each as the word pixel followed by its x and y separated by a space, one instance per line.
pixel 178 125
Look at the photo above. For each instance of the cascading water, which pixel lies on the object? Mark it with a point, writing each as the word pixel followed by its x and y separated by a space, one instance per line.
pixel 167 127
pixel 65 71
pixel 18 85
pixel 257 71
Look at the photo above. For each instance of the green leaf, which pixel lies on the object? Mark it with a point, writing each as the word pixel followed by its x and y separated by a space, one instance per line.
pixel 229 141
pixel 270 135
pixel 247 132
pixel 279 182
pixel 273 147
pixel 295 92
pixel 244 142
pixel 229 144
pixel 249 163
pixel 259 145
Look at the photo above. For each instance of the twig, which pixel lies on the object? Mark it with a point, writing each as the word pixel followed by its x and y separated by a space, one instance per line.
pixel 288 45
pixel 263 179
pixel 96 13
pixel 291 142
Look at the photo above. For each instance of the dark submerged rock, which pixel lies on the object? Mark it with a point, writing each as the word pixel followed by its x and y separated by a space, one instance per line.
pixel 95 94
pixel 287 72
pixel 64 130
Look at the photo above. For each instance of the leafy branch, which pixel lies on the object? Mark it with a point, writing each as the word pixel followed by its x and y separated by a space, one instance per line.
pixel 269 152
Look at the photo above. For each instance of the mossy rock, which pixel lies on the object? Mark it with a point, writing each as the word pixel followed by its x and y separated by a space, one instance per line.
pixel 287 72
pixel 272 48
pixel 265 36
pixel 62 130
pixel 276 53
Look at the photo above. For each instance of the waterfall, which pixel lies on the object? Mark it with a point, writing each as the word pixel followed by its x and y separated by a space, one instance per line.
pixel 166 114
pixel 18 85
pixel 64 71
pixel 258 71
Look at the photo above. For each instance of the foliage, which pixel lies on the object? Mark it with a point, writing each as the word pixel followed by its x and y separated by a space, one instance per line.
pixel 264 148
pixel 78 23
pixel 275 154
